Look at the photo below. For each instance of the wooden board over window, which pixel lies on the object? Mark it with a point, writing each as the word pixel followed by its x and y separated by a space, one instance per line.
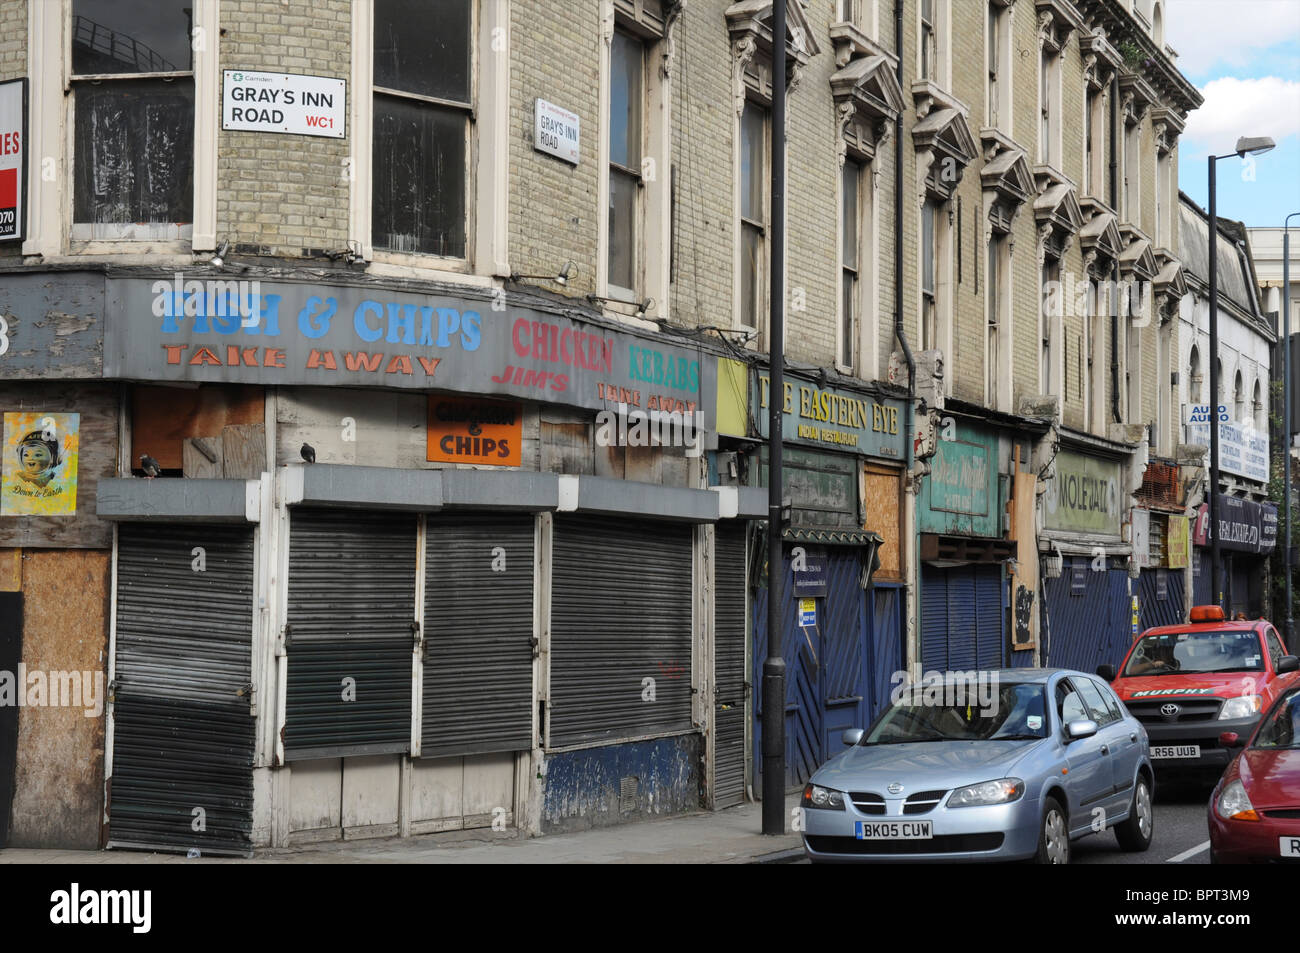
pixel 163 417
pixel 883 515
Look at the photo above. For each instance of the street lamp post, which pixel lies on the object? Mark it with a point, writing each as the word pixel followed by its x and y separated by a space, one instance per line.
pixel 1252 146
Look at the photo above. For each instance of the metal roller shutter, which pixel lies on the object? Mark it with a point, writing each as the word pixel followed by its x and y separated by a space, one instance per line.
pixel 1087 617
pixel 989 616
pixel 730 584
pixel 1161 605
pixel 620 613
pixel 478 621
pixel 934 619
pixel 183 736
pixel 351 616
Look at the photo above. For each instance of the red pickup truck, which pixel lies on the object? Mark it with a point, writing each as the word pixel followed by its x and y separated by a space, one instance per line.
pixel 1188 684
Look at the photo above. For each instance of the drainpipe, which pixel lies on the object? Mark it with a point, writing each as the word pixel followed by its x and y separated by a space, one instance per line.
pixel 899 332
pixel 1113 297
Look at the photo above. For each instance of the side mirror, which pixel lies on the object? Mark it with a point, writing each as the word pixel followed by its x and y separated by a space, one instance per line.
pixel 1230 739
pixel 1107 672
pixel 1288 663
pixel 851 736
pixel 1083 728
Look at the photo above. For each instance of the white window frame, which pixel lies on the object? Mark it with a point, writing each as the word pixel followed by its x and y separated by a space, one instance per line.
pixel 997 321
pixel 50 34
pixel 998 80
pixel 487 154
pixel 940 30
pixel 1050 145
pixel 654 202
pixel 863 360
pixel 1051 329
pixel 1131 158
pixel 762 293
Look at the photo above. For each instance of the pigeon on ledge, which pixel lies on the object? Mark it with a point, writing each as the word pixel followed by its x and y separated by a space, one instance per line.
pixel 308 453
pixel 150 466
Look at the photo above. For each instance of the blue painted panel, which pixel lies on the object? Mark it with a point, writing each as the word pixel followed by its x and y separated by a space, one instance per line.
pixel 989 616
pixel 1154 610
pixel 828 668
pixel 582 788
pixel 934 619
pixel 1201 592
pixel 1091 628
pixel 887 649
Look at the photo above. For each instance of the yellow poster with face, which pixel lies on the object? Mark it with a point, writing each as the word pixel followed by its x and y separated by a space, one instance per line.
pixel 39 472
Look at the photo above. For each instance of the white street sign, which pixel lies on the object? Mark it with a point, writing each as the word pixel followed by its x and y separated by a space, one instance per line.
pixel 283 102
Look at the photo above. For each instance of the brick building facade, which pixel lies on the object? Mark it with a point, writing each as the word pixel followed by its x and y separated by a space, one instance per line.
pixel 988 132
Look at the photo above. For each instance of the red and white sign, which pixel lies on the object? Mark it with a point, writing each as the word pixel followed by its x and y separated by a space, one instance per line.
pixel 13 152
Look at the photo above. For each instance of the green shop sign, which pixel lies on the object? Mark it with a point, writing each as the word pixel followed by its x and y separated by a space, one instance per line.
pixel 1084 497
pixel 962 487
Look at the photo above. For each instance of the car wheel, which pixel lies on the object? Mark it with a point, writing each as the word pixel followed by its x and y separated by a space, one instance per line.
pixel 1054 838
pixel 1135 833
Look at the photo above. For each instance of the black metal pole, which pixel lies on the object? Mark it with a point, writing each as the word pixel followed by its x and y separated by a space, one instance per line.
pixel 774 665
pixel 1286 424
pixel 1216 590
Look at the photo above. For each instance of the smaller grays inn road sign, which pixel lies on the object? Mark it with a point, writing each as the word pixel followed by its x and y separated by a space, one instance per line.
pixel 13 151
pixel 283 102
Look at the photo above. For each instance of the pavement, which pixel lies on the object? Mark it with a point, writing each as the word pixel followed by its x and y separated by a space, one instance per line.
pixel 730 836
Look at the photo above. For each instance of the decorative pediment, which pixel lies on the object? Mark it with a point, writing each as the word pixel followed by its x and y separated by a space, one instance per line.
pixel 1167 125
pixel 1008 178
pixel 849 42
pixel 1170 283
pixel 1137 95
pixel 1058 20
pixel 1099 235
pixel 946 136
pixel 1100 59
pixel 867 100
pixel 1056 211
pixel 1137 261
pixel 749 23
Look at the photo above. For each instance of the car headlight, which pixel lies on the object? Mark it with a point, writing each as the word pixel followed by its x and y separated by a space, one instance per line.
pixel 1233 805
pixel 1002 791
pixel 1243 706
pixel 825 798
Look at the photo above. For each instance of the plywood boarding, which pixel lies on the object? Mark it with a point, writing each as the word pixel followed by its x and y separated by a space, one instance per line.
pixel 1024 582
pixel 98 437
pixel 163 417
pixel 58 794
pixel 880 487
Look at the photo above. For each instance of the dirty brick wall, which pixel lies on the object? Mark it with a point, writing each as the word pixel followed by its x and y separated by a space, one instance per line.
pixel 285 199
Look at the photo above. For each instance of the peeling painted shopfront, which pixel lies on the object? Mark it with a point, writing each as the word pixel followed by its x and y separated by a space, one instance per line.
pixel 402 586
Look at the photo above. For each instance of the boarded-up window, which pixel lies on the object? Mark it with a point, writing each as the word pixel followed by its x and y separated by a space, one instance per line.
pixel 882 514
pixel 162 418
pixel 135 153
pixel 134 127
pixel 422 108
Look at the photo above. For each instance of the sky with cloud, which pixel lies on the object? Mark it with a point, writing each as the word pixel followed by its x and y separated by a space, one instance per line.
pixel 1244 57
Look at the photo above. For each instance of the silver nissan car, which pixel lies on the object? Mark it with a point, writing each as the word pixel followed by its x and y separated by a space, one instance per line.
pixel 984 766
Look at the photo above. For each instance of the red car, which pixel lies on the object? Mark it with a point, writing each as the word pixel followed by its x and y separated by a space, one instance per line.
pixel 1255 808
pixel 1189 684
